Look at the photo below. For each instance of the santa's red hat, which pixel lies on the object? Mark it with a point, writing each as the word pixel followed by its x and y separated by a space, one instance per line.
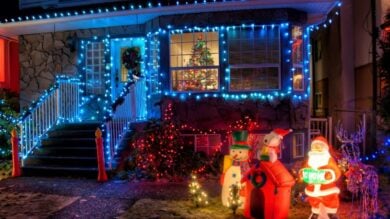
pixel 281 132
pixel 320 140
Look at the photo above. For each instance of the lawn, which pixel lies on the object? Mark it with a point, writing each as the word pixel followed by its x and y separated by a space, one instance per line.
pixel 153 208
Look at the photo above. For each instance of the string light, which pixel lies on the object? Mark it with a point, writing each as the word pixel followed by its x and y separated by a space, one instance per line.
pixel 381 152
pixel 198 196
pixel 151 68
pixel 234 199
pixel 117 7
pixel 331 16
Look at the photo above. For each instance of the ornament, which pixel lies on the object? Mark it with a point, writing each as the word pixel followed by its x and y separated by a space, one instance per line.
pixel 258 179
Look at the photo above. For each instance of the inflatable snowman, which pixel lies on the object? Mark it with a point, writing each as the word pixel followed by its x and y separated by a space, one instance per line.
pixel 235 166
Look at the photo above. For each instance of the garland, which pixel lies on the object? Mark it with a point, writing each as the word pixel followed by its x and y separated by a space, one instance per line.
pixel 258 179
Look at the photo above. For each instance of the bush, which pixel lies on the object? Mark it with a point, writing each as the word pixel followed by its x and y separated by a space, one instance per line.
pixel 158 151
pixel 8 112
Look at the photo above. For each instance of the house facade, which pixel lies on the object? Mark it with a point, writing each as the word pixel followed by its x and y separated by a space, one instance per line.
pixel 221 65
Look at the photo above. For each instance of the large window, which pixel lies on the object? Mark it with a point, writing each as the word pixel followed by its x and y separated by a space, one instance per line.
pixel 194 61
pixel 254 58
pixel 95 68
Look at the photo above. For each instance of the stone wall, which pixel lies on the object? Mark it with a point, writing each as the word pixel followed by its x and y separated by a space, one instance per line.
pixel 45 55
pixel 42 56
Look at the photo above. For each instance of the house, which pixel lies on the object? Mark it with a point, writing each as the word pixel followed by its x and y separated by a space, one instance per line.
pixel 215 62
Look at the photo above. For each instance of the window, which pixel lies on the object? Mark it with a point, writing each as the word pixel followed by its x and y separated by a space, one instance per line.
pixel 95 68
pixel 254 58
pixel 153 80
pixel 194 61
pixel 298 145
pixel 297 58
pixel 207 143
pixel 318 100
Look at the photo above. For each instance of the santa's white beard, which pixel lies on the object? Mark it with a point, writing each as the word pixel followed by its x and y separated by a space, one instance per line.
pixel 318 159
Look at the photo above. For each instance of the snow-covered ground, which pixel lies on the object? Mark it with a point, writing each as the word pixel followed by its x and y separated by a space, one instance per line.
pixel 71 198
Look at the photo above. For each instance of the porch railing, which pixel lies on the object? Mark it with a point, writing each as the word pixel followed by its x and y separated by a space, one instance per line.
pixel 320 126
pixel 127 108
pixel 58 104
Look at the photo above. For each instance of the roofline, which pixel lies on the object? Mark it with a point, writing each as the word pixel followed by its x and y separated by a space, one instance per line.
pixel 131 16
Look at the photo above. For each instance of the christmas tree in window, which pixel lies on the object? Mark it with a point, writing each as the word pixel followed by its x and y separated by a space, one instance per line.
pixel 199 76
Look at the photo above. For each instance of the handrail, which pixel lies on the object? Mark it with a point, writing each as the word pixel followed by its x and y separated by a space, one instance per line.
pixel 321 126
pixel 127 108
pixel 58 104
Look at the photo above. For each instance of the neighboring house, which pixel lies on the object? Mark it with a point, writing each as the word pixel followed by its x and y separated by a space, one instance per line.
pixel 9 64
pixel 214 61
pixel 342 67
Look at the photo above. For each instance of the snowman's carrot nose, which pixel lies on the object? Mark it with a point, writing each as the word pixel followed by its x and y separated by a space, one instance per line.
pixel 235 156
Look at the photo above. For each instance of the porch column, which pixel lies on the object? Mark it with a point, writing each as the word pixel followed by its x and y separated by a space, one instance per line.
pixel 347 87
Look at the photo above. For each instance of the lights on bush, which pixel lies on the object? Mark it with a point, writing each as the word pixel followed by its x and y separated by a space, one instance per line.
pixel 198 196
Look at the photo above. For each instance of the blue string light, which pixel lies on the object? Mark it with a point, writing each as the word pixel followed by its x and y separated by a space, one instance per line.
pixel 236 96
pixel 335 12
pixel 381 152
pixel 144 5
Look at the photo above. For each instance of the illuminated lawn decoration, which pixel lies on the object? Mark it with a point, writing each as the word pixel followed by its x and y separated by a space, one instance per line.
pixel 321 173
pixel 235 166
pixel 268 187
pixel 362 179
pixel 198 196
pixel 234 200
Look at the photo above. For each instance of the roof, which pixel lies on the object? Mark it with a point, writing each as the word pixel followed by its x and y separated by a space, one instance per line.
pixel 61 19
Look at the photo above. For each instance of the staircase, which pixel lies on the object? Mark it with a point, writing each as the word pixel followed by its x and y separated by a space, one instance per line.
pixel 68 150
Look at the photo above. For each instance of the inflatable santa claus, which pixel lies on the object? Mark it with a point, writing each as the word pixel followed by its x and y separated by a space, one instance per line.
pixel 321 172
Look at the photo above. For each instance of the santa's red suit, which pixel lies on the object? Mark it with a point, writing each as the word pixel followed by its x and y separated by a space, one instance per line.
pixel 325 192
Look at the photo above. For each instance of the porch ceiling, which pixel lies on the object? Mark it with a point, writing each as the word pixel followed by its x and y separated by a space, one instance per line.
pixel 317 11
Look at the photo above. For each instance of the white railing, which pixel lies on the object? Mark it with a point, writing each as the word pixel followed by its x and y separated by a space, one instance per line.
pixel 320 126
pixel 58 104
pixel 130 107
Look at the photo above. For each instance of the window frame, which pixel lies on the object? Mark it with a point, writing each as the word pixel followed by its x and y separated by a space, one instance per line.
pixel 259 66
pixel 101 89
pixel 301 144
pixel 216 67
pixel 209 148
